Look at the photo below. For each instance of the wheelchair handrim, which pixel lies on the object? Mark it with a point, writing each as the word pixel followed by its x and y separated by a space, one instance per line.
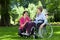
pixel 40 33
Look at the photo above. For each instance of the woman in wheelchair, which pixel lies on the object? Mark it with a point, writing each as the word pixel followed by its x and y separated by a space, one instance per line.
pixel 40 19
pixel 25 24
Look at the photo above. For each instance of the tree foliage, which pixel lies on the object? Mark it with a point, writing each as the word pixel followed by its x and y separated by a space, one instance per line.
pixel 11 10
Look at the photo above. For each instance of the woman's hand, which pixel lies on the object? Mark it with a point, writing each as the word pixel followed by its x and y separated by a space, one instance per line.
pixel 26 21
pixel 24 24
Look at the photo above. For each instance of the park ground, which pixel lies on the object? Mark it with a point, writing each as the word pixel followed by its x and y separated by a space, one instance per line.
pixel 11 33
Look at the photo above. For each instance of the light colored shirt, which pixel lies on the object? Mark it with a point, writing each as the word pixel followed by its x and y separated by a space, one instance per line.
pixel 41 17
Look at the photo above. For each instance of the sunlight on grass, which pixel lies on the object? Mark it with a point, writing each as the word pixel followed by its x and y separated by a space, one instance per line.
pixel 7 39
pixel 57 32
pixel 5 36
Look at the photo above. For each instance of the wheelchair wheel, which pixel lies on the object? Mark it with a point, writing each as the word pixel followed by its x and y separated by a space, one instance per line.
pixel 46 32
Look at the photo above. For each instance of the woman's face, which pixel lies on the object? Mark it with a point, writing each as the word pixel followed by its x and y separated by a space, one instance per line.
pixel 38 11
pixel 26 14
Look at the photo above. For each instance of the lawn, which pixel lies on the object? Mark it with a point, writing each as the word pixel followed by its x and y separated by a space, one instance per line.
pixel 11 33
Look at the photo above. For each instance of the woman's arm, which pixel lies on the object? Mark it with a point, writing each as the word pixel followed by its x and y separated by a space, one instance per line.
pixel 45 21
pixel 28 18
pixel 22 24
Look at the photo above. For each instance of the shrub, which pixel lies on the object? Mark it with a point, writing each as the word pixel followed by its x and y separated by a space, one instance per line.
pixel 57 17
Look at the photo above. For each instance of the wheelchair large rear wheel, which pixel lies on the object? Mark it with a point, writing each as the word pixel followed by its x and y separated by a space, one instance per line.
pixel 46 32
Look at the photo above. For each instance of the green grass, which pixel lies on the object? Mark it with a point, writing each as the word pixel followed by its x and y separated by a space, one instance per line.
pixel 11 33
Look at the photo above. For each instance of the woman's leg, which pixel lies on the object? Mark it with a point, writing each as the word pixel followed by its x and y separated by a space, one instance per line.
pixel 19 32
pixel 30 25
pixel 25 28
pixel 38 26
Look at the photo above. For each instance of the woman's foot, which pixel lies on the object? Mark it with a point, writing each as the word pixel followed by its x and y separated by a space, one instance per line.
pixel 27 34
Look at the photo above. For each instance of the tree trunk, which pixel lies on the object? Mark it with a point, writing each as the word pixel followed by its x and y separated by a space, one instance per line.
pixel 5 18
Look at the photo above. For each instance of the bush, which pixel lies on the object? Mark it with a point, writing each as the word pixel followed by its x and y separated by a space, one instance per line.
pixel 57 17
pixel 19 10
pixel 15 14
pixel 51 19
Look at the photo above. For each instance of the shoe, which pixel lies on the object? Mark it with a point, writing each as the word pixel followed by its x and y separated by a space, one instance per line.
pixel 23 33
pixel 27 34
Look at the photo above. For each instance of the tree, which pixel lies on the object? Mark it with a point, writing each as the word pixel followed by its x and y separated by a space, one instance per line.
pixel 5 18
pixel 53 7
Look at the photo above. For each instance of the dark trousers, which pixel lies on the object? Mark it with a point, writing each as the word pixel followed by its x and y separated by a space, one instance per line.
pixel 27 27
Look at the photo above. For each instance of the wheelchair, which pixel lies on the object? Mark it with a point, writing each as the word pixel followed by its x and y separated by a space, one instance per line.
pixel 45 32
